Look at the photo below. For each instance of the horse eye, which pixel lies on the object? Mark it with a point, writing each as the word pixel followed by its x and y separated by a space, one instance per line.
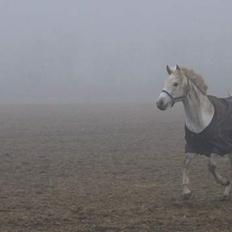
pixel 175 84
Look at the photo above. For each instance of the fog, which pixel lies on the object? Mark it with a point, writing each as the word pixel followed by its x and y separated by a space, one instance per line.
pixel 64 51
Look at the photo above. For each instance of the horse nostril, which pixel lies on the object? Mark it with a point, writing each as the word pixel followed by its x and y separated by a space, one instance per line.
pixel 160 103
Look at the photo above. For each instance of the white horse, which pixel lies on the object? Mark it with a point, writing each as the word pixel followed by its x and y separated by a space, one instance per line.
pixel 184 85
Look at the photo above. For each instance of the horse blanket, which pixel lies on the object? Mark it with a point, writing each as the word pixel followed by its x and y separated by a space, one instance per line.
pixel 217 136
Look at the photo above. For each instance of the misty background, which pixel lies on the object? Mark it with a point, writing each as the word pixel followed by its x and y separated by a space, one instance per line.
pixel 66 51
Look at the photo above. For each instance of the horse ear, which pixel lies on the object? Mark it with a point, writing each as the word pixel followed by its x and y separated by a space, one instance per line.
pixel 169 70
pixel 177 67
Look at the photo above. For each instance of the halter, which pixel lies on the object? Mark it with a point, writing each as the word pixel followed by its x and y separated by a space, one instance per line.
pixel 177 99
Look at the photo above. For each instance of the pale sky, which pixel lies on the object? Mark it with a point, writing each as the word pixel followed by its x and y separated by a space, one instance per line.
pixel 67 51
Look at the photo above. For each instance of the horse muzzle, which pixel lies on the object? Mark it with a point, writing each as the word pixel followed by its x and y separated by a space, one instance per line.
pixel 161 105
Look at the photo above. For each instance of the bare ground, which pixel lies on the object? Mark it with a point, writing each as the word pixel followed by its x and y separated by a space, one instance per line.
pixel 103 168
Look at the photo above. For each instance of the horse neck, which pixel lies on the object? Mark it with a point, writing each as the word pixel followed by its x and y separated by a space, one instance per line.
pixel 199 110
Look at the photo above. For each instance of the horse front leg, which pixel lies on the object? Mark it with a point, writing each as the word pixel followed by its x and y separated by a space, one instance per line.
pixel 186 191
pixel 219 179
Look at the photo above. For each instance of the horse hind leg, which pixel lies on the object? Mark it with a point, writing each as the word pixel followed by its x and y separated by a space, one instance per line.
pixel 230 158
pixel 219 179
pixel 228 187
pixel 227 191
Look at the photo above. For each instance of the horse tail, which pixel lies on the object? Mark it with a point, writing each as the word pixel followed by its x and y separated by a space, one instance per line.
pixel 229 93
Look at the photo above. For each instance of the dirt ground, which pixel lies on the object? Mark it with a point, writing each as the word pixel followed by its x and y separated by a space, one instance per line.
pixel 103 168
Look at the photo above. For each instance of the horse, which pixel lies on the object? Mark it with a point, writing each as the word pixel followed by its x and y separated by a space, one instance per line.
pixel 208 122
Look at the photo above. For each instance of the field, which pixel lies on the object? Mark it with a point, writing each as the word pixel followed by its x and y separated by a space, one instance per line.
pixel 103 168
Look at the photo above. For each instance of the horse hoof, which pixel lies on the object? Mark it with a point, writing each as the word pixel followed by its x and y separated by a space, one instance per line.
pixel 187 196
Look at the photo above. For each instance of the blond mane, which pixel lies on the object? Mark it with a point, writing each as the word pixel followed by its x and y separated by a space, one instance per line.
pixel 197 79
